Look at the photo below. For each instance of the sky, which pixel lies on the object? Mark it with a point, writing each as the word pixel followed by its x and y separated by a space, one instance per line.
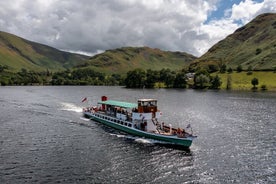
pixel 93 26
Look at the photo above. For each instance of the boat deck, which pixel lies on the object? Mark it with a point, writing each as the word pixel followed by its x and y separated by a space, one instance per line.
pixel 165 130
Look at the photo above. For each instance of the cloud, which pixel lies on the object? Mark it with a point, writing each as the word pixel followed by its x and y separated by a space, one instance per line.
pixel 245 10
pixel 239 15
pixel 91 26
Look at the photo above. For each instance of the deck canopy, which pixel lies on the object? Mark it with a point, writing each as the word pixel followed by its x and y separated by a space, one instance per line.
pixel 146 100
pixel 118 104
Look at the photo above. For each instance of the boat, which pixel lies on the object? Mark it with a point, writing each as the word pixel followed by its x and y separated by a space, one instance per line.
pixel 139 119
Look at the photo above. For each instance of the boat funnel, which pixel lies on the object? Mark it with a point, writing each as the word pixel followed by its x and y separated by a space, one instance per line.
pixel 104 98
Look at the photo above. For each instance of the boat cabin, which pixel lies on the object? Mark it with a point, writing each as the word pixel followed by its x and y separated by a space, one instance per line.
pixel 147 105
pixel 142 115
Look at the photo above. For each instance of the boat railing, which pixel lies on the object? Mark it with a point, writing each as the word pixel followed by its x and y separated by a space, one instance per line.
pixel 140 116
pixel 121 116
pixel 113 119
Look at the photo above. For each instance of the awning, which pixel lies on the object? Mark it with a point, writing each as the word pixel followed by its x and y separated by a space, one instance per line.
pixel 118 104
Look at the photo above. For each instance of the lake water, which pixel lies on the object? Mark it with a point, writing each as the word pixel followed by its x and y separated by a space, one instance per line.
pixel 45 139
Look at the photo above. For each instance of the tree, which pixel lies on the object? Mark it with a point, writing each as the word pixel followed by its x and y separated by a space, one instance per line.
pixel 229 82
pixel 167 76
pixel 229 70
pixel 249 70
pixel 223 68
pixel 212 68
pixel 201 78
pixel 180 80
pixel 3 67
pixel 202 81
pixel 254 82
pixel 135 78
pixel 151 78
pixel 215 82
pixel 239 68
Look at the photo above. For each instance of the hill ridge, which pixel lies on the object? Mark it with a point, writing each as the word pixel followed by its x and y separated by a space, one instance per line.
pixel 18 53
pixel 123 59
pixel 253 44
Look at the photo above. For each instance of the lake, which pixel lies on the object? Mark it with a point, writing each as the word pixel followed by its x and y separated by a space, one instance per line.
pixel 45 139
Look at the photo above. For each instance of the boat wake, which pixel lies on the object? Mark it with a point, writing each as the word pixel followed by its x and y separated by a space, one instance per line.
pixel 70 107
pixel 145 141
pixel 137 139
pixel 84 119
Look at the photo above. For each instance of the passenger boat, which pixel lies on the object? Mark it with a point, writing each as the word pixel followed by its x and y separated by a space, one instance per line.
pixel 141 119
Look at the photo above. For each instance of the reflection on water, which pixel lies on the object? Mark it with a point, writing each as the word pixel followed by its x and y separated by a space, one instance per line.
pixel 44 139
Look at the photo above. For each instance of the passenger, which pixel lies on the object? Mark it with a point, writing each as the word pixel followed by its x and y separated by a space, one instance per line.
pixel 180 132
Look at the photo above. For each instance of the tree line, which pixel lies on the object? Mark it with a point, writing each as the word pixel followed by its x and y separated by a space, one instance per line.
pixel 137 78
pixel 68 77
pixel 201 79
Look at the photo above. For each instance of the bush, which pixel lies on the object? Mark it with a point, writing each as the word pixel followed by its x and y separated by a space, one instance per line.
pixel 263 87
pixel 212 68
pixel 249 70
pixel 223 68
pixel 229 70
pixel 239 68
pixel 215 82
pixel 229 82
pixel 3 83
pixel 254 82
pixel 258 51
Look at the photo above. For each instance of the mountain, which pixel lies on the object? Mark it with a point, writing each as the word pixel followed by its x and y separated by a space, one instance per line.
pixel 122 60
pixel 251 45
pixel 17 53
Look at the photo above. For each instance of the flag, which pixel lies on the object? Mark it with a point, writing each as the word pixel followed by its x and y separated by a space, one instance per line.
pixel 188 126
pixel 83 100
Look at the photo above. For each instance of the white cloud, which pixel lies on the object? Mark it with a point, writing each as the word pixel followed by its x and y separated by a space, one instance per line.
pixel 89 26
pixel 235 17
pixel 245 10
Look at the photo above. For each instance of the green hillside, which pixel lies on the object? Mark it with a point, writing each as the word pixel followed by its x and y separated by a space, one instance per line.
pixel 18 53
pixel 251 45
pixel 124 59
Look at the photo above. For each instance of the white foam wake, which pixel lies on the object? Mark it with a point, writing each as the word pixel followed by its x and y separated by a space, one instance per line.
pixel 136 139
pixel 70 107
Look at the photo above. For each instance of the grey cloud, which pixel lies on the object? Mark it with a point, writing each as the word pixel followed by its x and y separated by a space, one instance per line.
pixel 93 25
pixel 97 25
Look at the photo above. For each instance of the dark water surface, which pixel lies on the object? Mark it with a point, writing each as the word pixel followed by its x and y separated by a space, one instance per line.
pixel 44 139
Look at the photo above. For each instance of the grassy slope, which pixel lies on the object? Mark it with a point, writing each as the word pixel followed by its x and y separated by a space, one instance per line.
pixel 9 53
pixel 18 53
pixel 240 47
pixel 242 81
pixel 128 58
